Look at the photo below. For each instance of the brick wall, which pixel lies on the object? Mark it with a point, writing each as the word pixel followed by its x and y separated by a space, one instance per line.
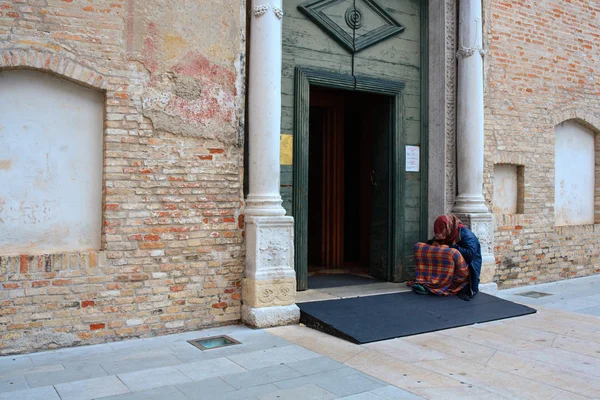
pixel 541 69
pixel 172 253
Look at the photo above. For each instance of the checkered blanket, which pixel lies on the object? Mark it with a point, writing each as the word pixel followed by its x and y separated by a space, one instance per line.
pixel 441 269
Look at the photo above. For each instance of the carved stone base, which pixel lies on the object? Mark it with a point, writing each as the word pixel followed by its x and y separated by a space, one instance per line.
pixel 269 289
pixel 267 317
pixel 482 225
pixel 275 292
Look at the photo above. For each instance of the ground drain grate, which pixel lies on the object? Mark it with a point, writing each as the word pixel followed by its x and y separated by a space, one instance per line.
pixel 534 295
pixel 213 342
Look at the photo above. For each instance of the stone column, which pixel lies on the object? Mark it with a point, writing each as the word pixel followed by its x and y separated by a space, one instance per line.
pixel 469 105
pixel 470 204
pixel 269 286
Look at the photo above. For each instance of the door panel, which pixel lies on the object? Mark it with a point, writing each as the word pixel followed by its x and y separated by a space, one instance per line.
pixel 381 215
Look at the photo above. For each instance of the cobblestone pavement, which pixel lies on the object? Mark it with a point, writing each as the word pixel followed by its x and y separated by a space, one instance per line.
pixel 553 354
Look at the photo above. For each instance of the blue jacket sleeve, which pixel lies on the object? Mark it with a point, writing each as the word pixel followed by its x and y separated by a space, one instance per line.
pixel 467 246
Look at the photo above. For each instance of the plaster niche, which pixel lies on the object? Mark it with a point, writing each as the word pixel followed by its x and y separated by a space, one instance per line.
pixel 574 175
pixel 51 139
pixel 508 189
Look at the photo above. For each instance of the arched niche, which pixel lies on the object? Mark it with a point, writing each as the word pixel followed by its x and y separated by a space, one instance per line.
pixel 51 146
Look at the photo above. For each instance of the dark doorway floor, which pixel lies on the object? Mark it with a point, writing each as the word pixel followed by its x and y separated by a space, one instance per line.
pixel 339 280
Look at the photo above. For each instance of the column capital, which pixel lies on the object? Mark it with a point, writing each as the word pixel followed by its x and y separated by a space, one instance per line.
pixel 261 7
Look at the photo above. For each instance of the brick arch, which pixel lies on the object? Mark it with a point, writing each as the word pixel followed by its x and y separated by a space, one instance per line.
pixel 54 63
pixel 582 116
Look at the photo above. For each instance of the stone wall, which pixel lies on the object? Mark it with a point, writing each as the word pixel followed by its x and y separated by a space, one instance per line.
pixel 541 69
pixel 172 254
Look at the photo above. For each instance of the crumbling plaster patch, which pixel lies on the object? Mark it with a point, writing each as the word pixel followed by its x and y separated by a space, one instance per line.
pixel 194 87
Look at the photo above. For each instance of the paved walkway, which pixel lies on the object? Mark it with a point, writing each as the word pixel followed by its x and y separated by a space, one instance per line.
pixel 580 295
pixel 554 354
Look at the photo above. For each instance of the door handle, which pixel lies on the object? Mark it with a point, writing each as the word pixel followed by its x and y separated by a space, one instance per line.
pixel 373 180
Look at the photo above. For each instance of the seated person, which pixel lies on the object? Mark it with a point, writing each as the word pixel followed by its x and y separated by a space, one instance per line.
pixel 440 269
pixel 449 230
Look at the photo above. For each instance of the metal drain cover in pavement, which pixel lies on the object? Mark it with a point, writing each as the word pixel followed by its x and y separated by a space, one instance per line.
pixel 213 342
pixel 534 295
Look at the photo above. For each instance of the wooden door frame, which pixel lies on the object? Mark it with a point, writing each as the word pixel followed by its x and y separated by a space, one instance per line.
pixel 304 79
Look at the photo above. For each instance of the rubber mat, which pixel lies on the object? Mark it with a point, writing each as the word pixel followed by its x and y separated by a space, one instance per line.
pixel 374 318
pixel 339 280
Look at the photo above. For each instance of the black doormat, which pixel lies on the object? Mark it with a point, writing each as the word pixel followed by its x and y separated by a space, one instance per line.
pixel 374 318
pixel 339 280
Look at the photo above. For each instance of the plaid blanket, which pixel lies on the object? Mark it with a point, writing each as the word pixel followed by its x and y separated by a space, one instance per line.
pixel 441 269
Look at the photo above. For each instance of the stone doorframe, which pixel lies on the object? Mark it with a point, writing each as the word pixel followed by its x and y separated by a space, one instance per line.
pixel 269 287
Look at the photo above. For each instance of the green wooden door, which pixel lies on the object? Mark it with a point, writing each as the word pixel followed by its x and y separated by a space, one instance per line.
pixel 381 186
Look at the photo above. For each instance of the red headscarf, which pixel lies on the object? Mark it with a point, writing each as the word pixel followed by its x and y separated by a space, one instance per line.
pixel 445 228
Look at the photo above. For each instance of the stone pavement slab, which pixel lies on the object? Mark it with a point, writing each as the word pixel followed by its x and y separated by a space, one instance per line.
pixel 65 375
pixel 563 378
pixel 494 381
pixel 10 385
pixel 361 396
pixel 91 388
pixel 162 393
pixel 252 340
pixel 319 342
pixel 341 382
pixel 306 392
pixel 566 359
pixel 271 357
pixel 153 378
pixel 261 376
pixel 393 393
pixel 208 388
pixel 200 370
pixel 591 311
pixel 9 374
pixel 462 392
pixel 315 365
pixel 139 362
pixel 579 346
pixel 72 354
pixel 9 363
pixel 251 393
pixel 40 393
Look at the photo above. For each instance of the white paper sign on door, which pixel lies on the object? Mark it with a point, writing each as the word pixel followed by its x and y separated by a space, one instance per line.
pixel 412 158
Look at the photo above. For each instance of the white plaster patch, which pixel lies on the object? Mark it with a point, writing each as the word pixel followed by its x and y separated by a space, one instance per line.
pixel 505 189
pixel 574 175
pixel 51 198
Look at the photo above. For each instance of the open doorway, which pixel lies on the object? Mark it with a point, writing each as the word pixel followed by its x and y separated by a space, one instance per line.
pixel 349 175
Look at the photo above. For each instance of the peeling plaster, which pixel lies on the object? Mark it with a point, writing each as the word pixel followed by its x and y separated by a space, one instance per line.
pixel 196 76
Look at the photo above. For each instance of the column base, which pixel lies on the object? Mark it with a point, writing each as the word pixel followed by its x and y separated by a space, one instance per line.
pixel 264 205
pixel 269 288
pixel 467 204
pixel 267 317
pixel 482 225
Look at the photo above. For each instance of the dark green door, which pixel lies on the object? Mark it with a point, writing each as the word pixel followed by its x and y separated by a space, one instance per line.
pixel 381 213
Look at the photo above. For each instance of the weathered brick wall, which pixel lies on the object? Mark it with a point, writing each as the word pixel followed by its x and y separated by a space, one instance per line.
pixel 172 256
pixel 541 69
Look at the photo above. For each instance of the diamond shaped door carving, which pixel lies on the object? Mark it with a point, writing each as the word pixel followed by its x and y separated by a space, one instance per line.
pixel 355 24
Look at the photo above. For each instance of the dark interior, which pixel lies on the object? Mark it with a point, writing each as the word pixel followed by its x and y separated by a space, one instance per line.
pixel 342 129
